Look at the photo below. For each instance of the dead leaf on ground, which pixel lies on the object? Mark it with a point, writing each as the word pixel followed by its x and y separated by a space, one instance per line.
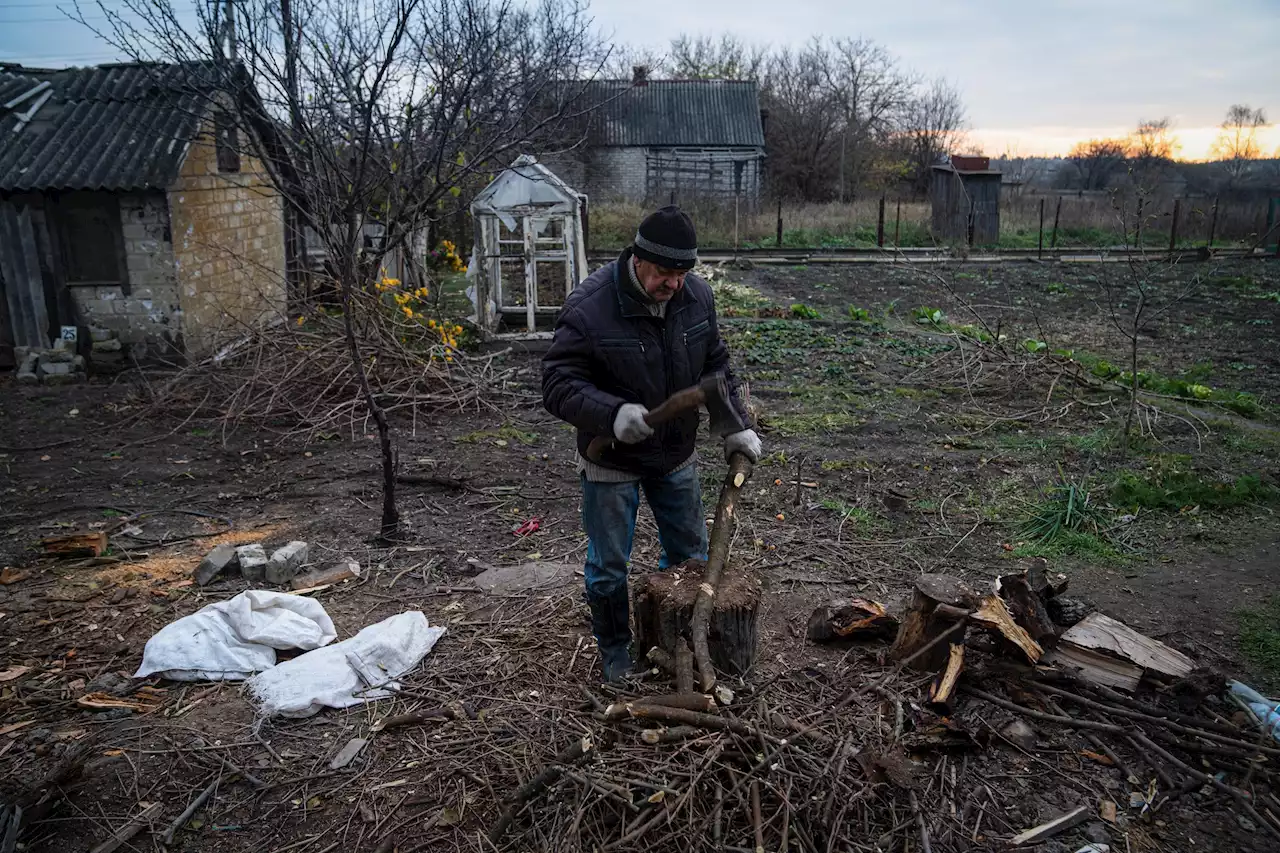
pixel 10 575
pixel 14 672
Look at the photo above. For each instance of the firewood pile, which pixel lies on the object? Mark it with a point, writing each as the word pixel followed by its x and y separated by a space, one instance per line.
pixel 905 750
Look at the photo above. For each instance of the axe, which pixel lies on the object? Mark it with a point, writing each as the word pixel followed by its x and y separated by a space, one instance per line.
pixel 712 391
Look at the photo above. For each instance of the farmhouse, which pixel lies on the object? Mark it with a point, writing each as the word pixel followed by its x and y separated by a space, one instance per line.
pixel 128 209
pixel 647 139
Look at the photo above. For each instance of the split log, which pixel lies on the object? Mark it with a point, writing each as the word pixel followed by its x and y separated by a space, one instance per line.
pixel 90 544
pixel 938 603
pixel 717 557
pixel 663 610
pixel 859 619
pixel 684 667
pixel 1109 652
pixel 994 615
pixel 1022 593
pixel 1072 818
pixel 942 691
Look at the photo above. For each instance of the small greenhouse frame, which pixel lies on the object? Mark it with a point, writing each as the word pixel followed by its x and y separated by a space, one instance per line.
pixel 530 250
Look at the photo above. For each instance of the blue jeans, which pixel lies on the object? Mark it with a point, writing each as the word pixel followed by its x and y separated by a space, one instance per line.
pixel 609 516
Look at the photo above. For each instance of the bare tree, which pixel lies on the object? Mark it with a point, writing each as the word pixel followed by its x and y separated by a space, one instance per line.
pixel 932 126
pixel 1151 150
pixel 623 60
pixel 377 113
pixel 804 122
pixel 1097 161
pixel 705 58
pixel 1237 144
pixel 873 94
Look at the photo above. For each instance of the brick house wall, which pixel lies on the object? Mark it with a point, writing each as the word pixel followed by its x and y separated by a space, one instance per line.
pixel 148 316
pixel 228 245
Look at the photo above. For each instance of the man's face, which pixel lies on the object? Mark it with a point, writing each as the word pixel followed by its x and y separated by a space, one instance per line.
pixel 659 282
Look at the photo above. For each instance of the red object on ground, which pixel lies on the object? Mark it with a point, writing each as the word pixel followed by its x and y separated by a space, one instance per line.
pixel 530 526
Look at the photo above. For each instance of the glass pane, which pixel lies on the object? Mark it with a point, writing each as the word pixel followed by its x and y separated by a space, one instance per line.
pixel 552 285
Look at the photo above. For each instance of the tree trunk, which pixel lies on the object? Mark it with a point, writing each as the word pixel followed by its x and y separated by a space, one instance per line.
pixel 663 609
pixel 390 528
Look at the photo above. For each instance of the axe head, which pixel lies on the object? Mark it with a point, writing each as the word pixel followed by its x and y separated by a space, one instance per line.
pixel 725 417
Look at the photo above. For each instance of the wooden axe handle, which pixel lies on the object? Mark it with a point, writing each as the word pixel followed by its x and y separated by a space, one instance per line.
pixel 671 408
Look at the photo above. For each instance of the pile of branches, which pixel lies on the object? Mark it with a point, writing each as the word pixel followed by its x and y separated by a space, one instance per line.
pixel 298 378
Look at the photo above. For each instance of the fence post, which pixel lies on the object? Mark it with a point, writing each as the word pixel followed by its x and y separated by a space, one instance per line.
pixel 1213 222
pixel 1138 231
pixel 1173 226
pixel 897 225
pixel 586 226
pixel 673 197
pixel 1057 212
pixel 880 224
pixel 1040 243
pixel 779 223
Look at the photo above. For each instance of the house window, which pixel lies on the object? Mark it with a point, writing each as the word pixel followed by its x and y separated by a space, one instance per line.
pixel 227 142
pixel 92 241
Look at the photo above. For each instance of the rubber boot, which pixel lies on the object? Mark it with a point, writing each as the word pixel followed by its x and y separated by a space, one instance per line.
pixel 611 624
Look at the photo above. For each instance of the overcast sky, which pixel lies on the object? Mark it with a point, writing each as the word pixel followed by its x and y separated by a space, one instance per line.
pixel 1035 76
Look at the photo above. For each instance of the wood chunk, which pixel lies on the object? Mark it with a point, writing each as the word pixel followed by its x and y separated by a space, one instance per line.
pixel 993 615
pixel 89 544
pixel 1026 605
pixel 1109 652
pixel 859 619
pixel 1075 817
pixel 342 571
pixel 684 667
pixel 933 610
pixel 943 689
pixel 1095 667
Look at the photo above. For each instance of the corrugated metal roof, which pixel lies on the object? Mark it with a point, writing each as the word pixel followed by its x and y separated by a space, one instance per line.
pixel 674 113
pixel 113 127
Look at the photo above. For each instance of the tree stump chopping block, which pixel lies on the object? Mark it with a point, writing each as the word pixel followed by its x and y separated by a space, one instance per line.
pixel 938 603
pixel 663 609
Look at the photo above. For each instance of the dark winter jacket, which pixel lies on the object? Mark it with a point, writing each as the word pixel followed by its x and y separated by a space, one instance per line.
pixel 610 349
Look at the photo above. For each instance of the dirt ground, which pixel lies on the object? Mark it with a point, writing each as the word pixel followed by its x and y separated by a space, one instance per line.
pixel 897 442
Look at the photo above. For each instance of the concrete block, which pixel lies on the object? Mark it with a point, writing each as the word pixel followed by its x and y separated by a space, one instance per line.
pixel 56 368
pixel 107 345
pixel 215 562
pixel 20 354
pixel 27 369
pixel 285 562
pixel 98 334
pixel 78 364
pixel 62 378
pixel 253 562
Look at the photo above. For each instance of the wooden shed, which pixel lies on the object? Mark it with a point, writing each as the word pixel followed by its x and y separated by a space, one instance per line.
pixel 965 194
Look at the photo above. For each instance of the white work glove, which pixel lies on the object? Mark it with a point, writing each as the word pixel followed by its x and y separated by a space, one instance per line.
pixel 746 442
pixel 629 426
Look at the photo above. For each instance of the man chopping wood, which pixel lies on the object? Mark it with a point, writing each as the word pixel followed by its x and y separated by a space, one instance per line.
pixel 634 344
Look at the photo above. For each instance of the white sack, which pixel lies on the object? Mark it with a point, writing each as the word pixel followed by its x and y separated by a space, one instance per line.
pixel 341 675
pixel 231 640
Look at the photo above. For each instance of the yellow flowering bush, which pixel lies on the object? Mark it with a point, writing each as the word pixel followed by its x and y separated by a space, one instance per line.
pixel 412 304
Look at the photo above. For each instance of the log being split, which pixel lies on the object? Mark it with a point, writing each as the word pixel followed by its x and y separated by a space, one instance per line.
pixel 717 555
pixel 684 667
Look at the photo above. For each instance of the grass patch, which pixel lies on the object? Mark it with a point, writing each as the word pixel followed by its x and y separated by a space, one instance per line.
pixel 1260 639
pixel 792 425
pixel 1066 508
pixel 862 521
pixel 737 300
pixel 836 465
pixel 1089 546
pixel 501 436
pixel 1188 386
pixel 1178 489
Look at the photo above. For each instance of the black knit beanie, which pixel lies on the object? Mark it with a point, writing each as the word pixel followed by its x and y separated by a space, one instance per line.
pixel 667 238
